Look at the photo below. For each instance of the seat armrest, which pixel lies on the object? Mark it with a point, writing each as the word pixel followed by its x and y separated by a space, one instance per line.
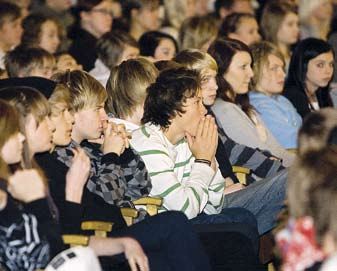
pixel 101 228
pixel 241 173
pixel 75 240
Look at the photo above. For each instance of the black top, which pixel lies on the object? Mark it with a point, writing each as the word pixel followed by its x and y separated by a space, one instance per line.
pixel 301 102
pixel 43 85
pixel 93 207
pixel 29 236
pixel 83 48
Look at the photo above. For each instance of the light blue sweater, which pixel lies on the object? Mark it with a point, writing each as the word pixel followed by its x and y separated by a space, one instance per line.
pixel 279 115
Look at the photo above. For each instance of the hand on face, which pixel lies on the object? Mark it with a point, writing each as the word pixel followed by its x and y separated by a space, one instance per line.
pixel 115 140
pixel 204 144
pixel 100 139
pixel 26 185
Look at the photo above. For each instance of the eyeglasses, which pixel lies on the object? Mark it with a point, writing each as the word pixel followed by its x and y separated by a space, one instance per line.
pixel 103 11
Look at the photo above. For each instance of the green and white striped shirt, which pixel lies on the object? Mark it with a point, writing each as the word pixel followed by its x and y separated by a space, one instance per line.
pixel 185 186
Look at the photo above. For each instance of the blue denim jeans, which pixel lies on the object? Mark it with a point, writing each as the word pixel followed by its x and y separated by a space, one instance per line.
pixel 264 198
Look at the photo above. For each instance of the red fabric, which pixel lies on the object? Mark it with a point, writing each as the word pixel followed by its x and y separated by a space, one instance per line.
pixel 298 246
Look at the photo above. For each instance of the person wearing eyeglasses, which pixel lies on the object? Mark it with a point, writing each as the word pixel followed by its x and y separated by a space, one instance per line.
pixel 94 18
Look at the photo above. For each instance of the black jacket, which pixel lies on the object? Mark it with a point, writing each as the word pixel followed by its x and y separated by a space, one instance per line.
pixel 29 236
pixel 301 102
pixel 93 207
pixel 83 48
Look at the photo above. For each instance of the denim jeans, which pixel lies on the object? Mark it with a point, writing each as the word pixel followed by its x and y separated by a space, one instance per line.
pixel 264 198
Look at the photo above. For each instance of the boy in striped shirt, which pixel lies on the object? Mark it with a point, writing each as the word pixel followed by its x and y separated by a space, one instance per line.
pixel 178 144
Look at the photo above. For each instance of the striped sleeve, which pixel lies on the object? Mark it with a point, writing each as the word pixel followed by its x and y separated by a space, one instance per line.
pixel 215 194
pixel 254 159
pixel 183 185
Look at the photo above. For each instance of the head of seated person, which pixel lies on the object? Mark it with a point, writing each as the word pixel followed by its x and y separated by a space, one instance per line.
pixel 126 89
pixel 206 66
pixel 240 26
pixel 157 45
pixel 197 32
pixel 233 78
pixel 10 26
pixel 24 62
pixel 87 100
pixel 41 31
pixel 94 16
pixel 141 16
pixel 116 46
pixel 317 129
pixel 34 111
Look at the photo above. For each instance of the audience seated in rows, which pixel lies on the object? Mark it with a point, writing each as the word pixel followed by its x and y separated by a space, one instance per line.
pixel 232 108
pixel 167 237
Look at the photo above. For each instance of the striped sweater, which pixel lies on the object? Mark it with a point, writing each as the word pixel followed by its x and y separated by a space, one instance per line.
pixel 185 186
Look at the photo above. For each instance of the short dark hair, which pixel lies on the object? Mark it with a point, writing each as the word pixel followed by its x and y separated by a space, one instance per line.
pixel 86 5
pixel 82 6
pixel 166 97
pixel 231 23
pixel 21 61
pixel 149 41
pixel 8 11
pixel 129 5
pixel 226 4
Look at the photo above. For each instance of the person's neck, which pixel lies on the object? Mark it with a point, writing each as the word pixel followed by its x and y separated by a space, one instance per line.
pixel 76 137
pixel 31 154
pixel 229 96
pixel 259 90
pixel 4 47
pixel 136 117
pixel 284 49
pixel 136 31
pixel 310 88
pixel 329 244
pixel 54 7
pixel 173 135
pixel 133 119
